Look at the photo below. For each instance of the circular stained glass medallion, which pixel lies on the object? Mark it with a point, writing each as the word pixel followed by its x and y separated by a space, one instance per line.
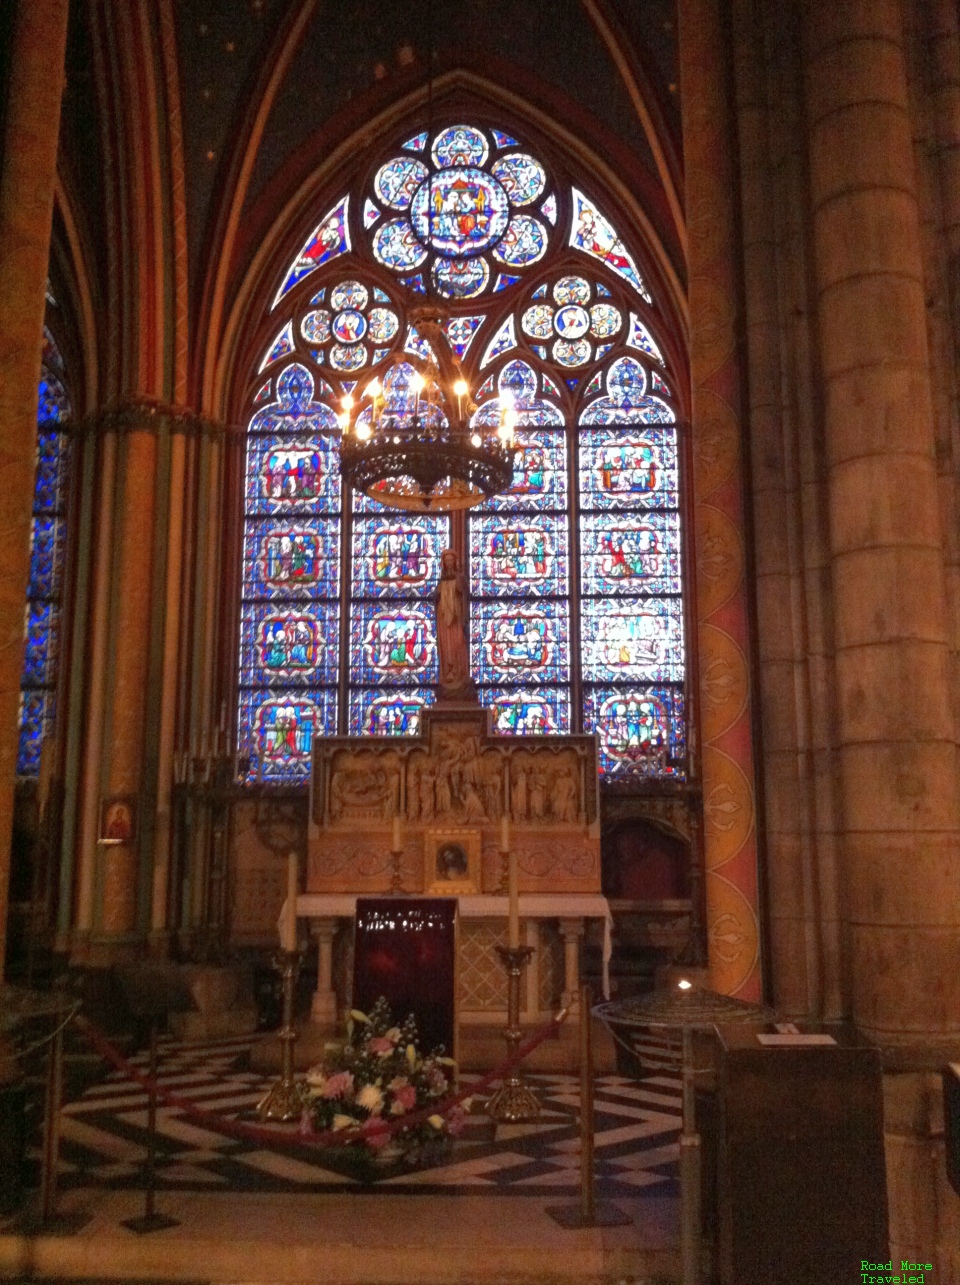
pixel 459 145
pixel 538 321
pixel 572 322
pixel 348 357
pixel 398 180
pixel 348 294
pixel 460 211
pixel 524 242
pixel 315 326
pixel 521 177
pixel 383 325
pixel 349 326
pixel 396 247
pixel 571 290
pixel 461 278
pixel 606 320
pixel 571 353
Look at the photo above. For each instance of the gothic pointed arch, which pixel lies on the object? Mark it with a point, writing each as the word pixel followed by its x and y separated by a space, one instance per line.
pixel 576 573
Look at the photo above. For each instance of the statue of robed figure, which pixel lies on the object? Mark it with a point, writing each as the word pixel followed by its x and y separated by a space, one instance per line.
pixel 451 604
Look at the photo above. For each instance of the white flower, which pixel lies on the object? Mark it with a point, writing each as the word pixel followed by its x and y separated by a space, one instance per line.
pixel 343 1122
pixel 370 1098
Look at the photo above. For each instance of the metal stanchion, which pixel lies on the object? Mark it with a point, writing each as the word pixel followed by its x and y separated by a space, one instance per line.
pixel 44 1217
pixel 589 1212
pixel 150 1220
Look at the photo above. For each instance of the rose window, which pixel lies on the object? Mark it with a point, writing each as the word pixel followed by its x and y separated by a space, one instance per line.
pixel 460 218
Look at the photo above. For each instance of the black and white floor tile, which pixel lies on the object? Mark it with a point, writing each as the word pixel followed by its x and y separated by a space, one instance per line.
pixel 104 1134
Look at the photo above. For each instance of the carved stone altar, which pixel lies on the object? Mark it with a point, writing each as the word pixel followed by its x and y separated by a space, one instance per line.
pixel 440 801
pixel 455 778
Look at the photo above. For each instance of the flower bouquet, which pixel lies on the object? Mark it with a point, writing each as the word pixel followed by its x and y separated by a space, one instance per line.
pixel 371 1081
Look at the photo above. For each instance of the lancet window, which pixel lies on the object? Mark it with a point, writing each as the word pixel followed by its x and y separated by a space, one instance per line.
pixel 43 617
pixel 575 573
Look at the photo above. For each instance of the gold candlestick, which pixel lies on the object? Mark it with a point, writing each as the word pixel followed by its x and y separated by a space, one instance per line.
pixel 288 1097
pixel 514 1100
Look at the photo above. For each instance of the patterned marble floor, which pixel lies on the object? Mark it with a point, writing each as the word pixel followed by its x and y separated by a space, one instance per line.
pixel 104 1134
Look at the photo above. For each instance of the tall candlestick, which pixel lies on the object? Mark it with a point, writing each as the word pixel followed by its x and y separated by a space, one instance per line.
pixel 397 842
pixel 513 890
pixel 505 832
pixel 288 937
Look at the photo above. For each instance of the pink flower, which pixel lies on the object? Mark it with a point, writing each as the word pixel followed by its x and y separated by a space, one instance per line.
pixel 339 1085
pixel 380 1044
pixel 375 1134
pixel 456 1119
pixel 405 1098
pixel 306 1125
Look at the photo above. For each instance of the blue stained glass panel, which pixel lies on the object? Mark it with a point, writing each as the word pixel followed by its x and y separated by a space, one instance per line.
pixel 594 235
pixel 521 177
pixel 53 461
pixel 292 475
pixel 376 713
pixel 518 555
pixel 277 729
pixel 53 405
pixel 417 143
pixel 36 720
pixel 629 553
pixel 47 547
pixel 289 644
pixel 392 644
pixel 397 555
pixel 528 711
pixel 524 242
pixel 459 145
pixel 519 643
pixel 631 639
pixel 286 559
pixel 328 239
pixel 503 140
pixel 629 468
pixel 539 474
pixel 634 722
pixel 42 643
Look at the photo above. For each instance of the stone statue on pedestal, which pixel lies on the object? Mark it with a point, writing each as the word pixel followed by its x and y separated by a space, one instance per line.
pixel 451 603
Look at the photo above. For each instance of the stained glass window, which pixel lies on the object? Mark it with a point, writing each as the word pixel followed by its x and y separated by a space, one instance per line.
pixel 575 572
pixel 43 619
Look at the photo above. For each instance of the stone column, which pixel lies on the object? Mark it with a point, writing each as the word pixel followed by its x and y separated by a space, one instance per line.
pixel 571 930
pixel 128 656
pixel 27 169
pixel 323 1007
pixel 722 626
pixel 896 751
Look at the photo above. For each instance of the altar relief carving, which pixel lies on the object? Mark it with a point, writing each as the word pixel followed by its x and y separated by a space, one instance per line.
pixel 370 794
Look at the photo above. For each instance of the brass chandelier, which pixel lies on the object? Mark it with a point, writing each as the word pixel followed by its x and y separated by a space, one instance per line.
pixel 413 440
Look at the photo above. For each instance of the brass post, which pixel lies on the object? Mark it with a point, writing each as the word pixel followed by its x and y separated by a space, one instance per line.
pixel 287 1098
pixel 589 1212
pixel 514 1100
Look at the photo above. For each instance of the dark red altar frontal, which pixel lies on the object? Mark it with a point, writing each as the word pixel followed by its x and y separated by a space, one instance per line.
pixel 405 949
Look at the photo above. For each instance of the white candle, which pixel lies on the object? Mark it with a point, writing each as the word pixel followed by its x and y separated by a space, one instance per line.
pixel 513 888
pixel 505 832
pixel 288 936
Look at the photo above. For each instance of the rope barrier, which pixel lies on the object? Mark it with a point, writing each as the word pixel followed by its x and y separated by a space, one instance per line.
pixel 310 1140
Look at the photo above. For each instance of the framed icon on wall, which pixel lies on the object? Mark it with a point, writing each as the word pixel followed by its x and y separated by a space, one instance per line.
pixel 451 862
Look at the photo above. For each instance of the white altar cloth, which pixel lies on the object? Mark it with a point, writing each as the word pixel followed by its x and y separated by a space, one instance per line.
pixel 537 905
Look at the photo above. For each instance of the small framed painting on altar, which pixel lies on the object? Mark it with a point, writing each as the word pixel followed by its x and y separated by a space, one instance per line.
pixel 451 862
